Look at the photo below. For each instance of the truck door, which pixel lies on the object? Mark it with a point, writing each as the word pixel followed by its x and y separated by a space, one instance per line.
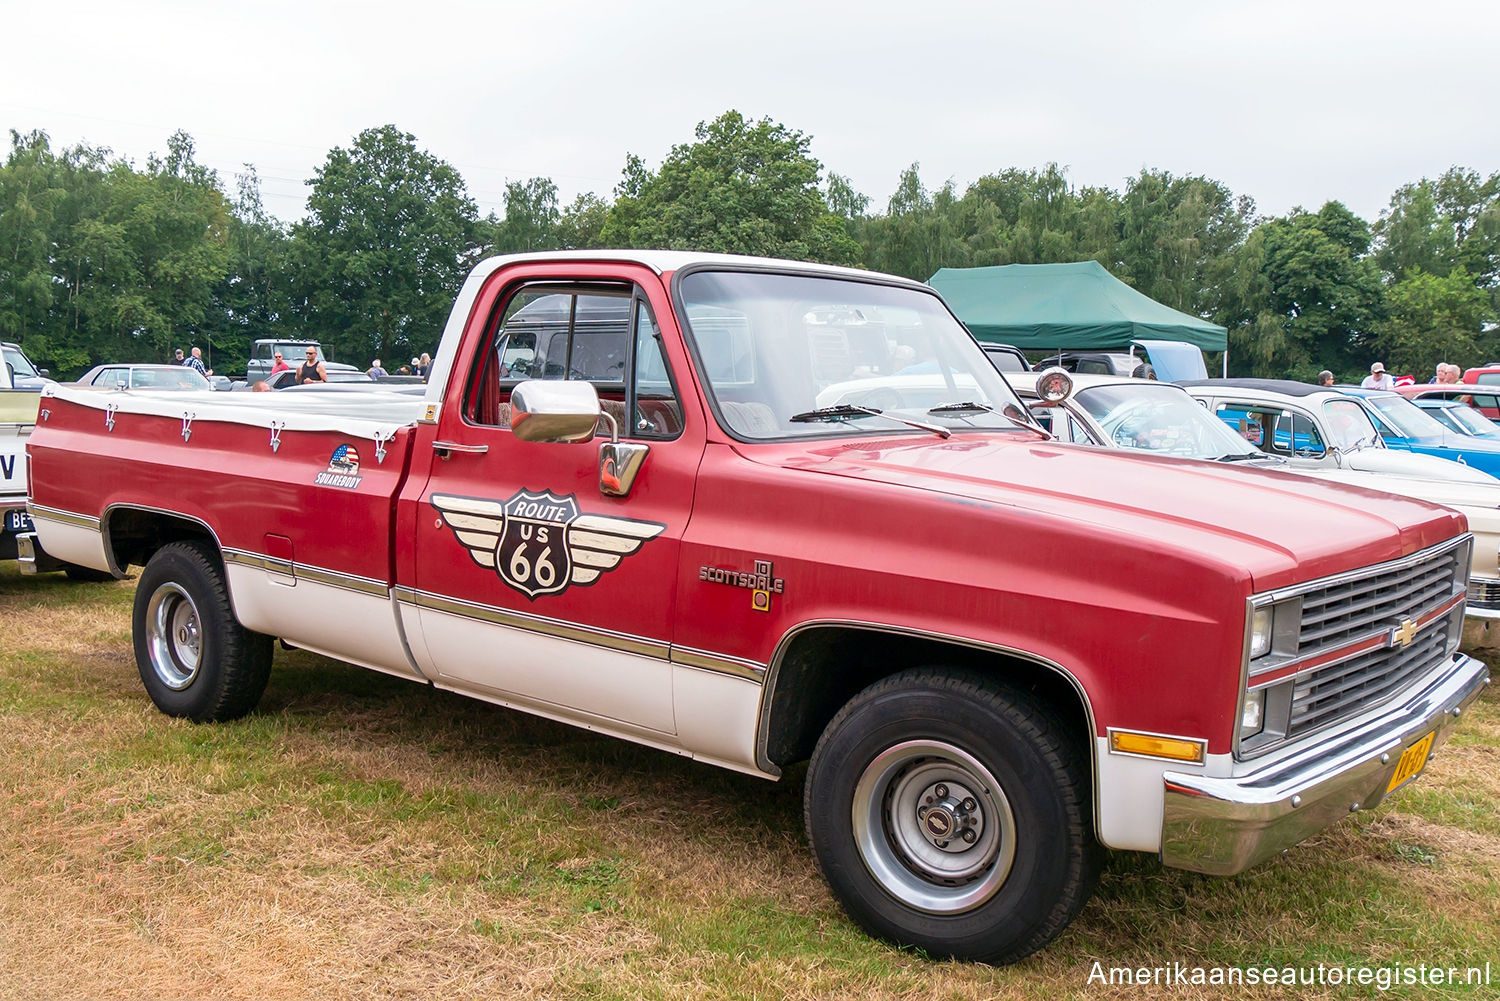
pixel 532 586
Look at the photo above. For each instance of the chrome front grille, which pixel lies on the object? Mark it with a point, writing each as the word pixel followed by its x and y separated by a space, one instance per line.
pixel 1350 610
pixel 1332 693
pixel 1358 633
pixel 1484 592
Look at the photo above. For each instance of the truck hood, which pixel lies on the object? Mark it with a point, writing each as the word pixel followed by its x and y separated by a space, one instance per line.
pixel 1279 528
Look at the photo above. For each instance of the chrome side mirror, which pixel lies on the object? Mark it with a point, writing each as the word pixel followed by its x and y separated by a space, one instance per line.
pixel 1053 386
pixel 554 411
pixel 619 462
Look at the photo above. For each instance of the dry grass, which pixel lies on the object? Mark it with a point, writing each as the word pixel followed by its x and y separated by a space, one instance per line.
pixel 362 837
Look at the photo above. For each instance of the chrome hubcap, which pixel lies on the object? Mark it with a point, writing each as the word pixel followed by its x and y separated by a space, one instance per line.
pixel 934 827
pixel 173 638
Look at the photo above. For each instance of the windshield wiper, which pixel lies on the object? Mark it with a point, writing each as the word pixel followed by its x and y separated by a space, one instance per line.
pixel 1241 456
pixel 1010 413
pixel 851 411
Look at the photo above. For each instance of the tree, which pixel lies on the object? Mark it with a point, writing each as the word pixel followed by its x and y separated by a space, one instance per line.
pixel 1434 318
pixel 389 237
pixel 1177 236
pixel 742 188
pixel 1309 296
pixel 531 217
pixel 253 301
pixel 581 224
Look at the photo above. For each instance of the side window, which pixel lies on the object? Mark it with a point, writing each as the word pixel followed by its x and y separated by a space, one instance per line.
pixel 262 352
pixel 1297 433
pixel 1256 425
pixel 583 333
pixel 1063 425
pixel 657 411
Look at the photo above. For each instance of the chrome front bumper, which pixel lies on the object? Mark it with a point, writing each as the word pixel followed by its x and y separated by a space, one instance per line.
pixel 1484 598
pixel 1226 825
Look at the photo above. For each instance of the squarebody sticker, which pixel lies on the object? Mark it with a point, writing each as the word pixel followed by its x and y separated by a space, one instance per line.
pixel 539 543
pixel 343 469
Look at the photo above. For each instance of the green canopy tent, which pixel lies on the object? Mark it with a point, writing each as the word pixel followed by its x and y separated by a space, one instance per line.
pixel 1049 307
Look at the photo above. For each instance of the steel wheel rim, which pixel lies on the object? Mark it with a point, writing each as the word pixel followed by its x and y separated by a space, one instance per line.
pixel 174 640
pixel 911 839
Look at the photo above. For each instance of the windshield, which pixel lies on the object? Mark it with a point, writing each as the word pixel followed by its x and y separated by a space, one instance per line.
pixel 1160 418
pixel 16 360
pixel 1406 417
pixel 824 350
pixel 170 377
pixel 1348 425
pixel 1468 420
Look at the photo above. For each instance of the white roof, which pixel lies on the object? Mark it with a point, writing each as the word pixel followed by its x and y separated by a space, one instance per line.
pixel 662 261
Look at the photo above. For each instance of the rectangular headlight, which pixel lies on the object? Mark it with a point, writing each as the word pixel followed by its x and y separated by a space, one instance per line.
pixel 1260 632
pixel 1253 715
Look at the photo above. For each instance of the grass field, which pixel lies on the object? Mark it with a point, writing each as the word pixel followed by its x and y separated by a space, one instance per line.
pixel 360 836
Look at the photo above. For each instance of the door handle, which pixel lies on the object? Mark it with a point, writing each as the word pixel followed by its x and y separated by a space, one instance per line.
pixel 450 447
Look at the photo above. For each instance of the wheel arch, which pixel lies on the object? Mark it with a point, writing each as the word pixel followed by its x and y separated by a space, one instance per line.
pixel 133 532
pixel 819 666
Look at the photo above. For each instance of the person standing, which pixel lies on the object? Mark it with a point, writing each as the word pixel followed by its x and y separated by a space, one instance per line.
pixel 178 359
pixel 1378 378
pixel 196 362
pixel 312 369
pixel 425 366
pixel 1325 378
pixel 375 371
pixel 279 364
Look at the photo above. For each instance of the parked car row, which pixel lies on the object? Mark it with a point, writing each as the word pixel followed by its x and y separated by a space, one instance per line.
pixel 1284 426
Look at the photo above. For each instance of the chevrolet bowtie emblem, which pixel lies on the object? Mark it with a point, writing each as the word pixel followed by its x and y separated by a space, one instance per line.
pixel 1403 634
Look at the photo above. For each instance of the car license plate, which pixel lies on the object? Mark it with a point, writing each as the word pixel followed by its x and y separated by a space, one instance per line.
pixel 17 521
pixel 1413 760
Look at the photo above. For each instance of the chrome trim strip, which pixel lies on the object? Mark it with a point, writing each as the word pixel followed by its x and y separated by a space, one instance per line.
pixel 735 666
pixel 349 582
pixel 762 726
pixel 623 642
pixel 303 571
pixel 64 517
pixel 256 561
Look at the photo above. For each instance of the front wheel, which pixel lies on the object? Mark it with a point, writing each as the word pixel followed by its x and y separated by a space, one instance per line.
pixel 194 657
pixel 953 814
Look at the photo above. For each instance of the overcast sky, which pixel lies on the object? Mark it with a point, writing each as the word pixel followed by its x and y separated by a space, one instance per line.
pixel 1292 102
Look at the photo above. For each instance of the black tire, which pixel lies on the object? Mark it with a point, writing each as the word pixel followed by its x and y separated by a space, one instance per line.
pixel 914 762
pixel 86 575
pixel 195 658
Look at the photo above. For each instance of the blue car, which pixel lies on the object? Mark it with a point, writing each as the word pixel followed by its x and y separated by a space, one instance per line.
pixel 1404 425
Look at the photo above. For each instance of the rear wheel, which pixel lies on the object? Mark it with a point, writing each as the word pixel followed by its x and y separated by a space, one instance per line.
pixel 953 814
pixel 194 657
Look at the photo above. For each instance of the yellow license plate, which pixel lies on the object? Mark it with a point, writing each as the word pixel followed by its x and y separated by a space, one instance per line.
pixel 1413 760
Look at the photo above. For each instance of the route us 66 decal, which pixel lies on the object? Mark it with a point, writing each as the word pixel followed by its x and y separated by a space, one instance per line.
pixel 539 543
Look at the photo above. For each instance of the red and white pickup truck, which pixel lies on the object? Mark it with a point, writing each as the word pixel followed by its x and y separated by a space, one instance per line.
pixel 1000 652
